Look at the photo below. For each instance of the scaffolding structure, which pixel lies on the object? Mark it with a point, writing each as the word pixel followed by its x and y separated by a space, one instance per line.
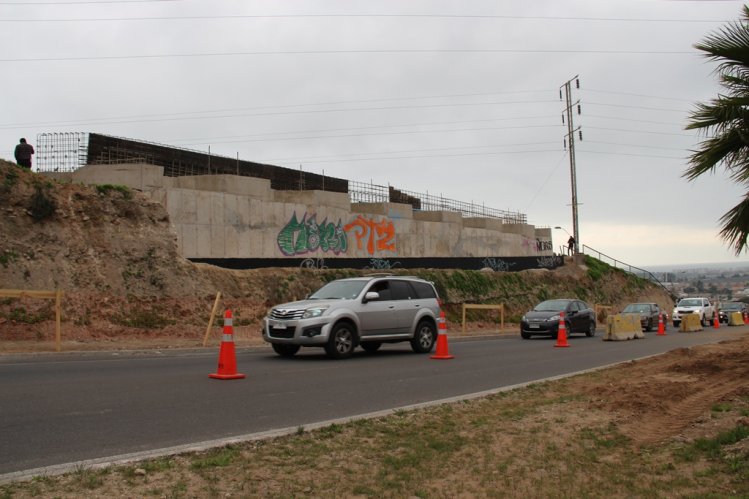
pixel 66 152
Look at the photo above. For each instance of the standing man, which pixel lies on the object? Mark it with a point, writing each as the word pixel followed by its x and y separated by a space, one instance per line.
pixel 23 154
pixel 571 245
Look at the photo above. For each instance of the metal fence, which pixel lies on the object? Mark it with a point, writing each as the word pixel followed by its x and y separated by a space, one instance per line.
pixel 645 274
pixel 362 192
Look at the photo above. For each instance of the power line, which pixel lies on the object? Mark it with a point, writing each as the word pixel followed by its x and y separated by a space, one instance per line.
pixel 403 151
pixel 638 131
pixel 117 121
pixel 333 16
pixel 349 52
pixel 637 95
pixel 632 154
pixel 406 132
pixel 432 123
pixel 282 106
pixel 635 107
pixel 438 156
pixel 84 2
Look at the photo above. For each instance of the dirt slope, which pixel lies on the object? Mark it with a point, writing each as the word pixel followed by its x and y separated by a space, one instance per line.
pixel 113 253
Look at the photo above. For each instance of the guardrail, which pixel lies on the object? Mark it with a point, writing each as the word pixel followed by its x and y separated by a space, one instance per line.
pixel 626 267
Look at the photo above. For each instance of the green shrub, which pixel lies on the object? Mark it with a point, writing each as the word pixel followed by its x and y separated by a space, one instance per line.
pixel 106 188
pixel 42 204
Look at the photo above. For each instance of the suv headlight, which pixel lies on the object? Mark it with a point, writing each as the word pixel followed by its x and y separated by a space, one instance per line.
pixel 554 318
pixel 314 312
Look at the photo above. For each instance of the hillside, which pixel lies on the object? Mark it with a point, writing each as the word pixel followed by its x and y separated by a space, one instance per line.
pixel 112 252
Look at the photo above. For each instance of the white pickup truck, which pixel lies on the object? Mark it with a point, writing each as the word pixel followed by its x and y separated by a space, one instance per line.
pixel 701 306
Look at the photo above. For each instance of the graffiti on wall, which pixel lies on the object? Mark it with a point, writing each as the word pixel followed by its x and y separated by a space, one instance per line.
pixel 543 245
pixel 299 237
pixel 497 264
pixel 550 262
pixel 378 236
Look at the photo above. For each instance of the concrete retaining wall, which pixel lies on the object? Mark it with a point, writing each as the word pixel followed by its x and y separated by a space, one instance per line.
pixel 227 216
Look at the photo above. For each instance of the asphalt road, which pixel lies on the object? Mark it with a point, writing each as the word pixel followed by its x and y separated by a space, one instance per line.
pixel 64 408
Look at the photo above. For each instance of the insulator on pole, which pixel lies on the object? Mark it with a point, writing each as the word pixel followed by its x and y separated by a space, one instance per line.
pixel 560 94
pixel 580 134
pixel 577 82
pixel 579 109
pixel 565 144
pixel 562 119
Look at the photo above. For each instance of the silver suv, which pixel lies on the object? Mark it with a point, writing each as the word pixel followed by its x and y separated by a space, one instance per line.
pixel 365 311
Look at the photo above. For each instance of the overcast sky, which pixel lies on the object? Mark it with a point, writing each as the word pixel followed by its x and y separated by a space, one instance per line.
pixel 451 97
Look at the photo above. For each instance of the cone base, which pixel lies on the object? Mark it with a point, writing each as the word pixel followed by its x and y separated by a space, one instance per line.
pixel 442 357
pixel 226 376
pixel 561 346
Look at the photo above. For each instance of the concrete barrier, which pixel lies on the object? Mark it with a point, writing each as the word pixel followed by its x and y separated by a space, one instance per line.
pixel 735 319
pixel 623 327
pixel 690 323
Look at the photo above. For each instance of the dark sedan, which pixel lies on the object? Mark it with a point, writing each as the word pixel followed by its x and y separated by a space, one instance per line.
pixel 729 307
pixel 544 318
pixel 649 314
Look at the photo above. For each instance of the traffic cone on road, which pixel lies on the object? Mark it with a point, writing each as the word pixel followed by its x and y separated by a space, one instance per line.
pixel 661 326
pixel 716 322
pixel 442 350
pixel 746 318
pixel 227 359
pixel 562 333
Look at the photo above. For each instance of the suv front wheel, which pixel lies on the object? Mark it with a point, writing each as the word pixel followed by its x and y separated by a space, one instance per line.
pixel 342 341
pixel 424 339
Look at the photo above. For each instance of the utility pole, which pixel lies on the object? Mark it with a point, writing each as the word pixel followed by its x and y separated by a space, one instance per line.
pixel 570 138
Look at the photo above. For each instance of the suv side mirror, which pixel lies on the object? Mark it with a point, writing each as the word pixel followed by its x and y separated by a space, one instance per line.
pixel 371 296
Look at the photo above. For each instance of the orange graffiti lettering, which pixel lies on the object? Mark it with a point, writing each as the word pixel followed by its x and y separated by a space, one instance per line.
pixel 381 234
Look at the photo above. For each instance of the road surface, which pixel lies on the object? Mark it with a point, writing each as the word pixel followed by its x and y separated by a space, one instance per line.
pixel 61 409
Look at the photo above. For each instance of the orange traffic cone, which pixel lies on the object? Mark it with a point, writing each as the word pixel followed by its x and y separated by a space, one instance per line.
pixel 442 353
pixel 716 322
pixel 562 333
pixel 661 325
pixel 227 359
pixel 746 318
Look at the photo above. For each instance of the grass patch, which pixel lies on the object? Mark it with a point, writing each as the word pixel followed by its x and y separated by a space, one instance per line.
pixel 7 257
pixel 215 459
pixel 107 188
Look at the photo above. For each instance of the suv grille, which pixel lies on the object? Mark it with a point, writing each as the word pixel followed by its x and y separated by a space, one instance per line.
pixel 286 314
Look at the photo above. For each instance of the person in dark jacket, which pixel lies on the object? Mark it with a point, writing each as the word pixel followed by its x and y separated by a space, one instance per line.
pixel 23 154
pixel 571 245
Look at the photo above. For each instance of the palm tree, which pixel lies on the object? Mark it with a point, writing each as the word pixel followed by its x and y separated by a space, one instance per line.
pixel 726 118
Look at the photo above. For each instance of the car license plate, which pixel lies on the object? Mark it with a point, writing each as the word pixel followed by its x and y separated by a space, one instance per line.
pixel 278 325
pixel 533 326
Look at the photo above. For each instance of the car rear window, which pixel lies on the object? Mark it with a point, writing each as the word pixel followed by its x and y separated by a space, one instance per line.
pixel 423 290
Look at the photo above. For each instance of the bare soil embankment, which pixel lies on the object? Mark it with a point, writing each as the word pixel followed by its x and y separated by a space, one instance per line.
pixel 113 253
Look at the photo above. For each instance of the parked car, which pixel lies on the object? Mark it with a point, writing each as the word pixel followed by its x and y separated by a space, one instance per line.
pixel 701 306
pixel 365 311
pixel 649 314
pixel 728 308
pixel 544 318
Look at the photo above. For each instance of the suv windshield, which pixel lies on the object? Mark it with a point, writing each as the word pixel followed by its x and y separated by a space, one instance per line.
pixel 339 290
pixel 690 303
pixel 551 306
pixel 732 306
